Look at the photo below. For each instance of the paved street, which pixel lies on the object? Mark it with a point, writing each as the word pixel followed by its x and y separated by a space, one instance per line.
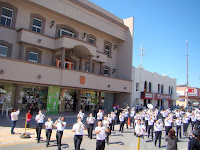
pixel 118 141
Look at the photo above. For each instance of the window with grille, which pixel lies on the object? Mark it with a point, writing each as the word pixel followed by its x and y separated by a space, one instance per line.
pixel 3 50
pixel 107 49
pixel 33 57
pixel 67 33
pixel 6 16
pixel 91 40
pixel 37 25
pixel 106 72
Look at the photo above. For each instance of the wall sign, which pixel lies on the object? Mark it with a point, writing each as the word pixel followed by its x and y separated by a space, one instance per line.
pixel 82 79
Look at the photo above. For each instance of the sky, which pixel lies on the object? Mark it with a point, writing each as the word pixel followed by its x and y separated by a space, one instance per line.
pixel 163 26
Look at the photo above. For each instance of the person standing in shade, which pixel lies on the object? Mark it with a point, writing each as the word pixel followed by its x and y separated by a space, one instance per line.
pixel 178 126
pixel 14 117
pixel 60 125
pixel 113 115
pixel 146 118
pixel 90 122
pixel 150 126
pixel 48 126
pixel 185 124
pixel 39 119
pixel 78 130
pixel 132 114
pixel 126 117
pixel 171 140
pixel 100 115
pixel 168 124
pixel 100 136
pixel 193 120
pixel 121 119
pixel 158 131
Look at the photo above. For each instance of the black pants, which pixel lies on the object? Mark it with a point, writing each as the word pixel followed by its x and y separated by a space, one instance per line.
pixel 132 121
pixel 13 126
pixel 126 120
pixel 113 125
pixel 167 128
pixel 158 135
pixel 100 145
pixel 107 137
pixel 58 138
pixel 146 124
pixel 38 130
pixel 90 130
pixel 178 130
pixel 48 135
pixel 150 129
pixel 185 128
pixel 77 141
pixel 193 123
pixel 121 126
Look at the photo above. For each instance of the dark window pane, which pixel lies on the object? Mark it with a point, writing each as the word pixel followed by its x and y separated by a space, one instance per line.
pixel 37 23
pixel 7 12
pixel 8 22
pixel 34 29
pixel 3 20
pixel 3 50
pixel 33 57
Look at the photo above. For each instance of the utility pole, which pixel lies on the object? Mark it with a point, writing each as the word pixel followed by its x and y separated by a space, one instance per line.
pixel 187 74
pixel 142 54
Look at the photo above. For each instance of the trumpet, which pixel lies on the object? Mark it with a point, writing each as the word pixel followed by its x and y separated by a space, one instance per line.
pixel 56 122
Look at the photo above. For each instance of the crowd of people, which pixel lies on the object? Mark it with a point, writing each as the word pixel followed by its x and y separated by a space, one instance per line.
pixel 150 121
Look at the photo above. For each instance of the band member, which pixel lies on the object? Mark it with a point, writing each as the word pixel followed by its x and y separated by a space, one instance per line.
pixel 39 119
pixel 110 123
pixel 139 129
pixel 78 129
pixel 193 120
pixel 126 117
pixel 150 126
pixel 106 123
pixel 14 117
pixel 100 115
pixel 178 126
pixel 48 126
pixel 121 119
pixel 158 131
pixel 100 136
pixel 185 124
pixel 146 118
pixel 168 124
pixel 60 125
pixel 80 114
pixel 113 115
pixel 90 122
pixel 132 114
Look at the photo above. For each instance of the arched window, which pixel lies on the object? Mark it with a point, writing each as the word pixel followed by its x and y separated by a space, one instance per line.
pixel 106 70
pixel 108 48
pixel 33 55
pixel 37 23
pixel 5 48
pixel 169 90
pixel 149 86
pixel 145 86
pixel 91 39
pixel 162 89
pixel 158 88
pixel 65 30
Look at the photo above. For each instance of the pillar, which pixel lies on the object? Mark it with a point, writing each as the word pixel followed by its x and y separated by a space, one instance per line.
pixel 99 97
pixel 101 68
pixel 53 58
pixel 78 101
pixel 80 64
pixel 63 51
pixel 90 62
pixel 21 52
pixel 17 92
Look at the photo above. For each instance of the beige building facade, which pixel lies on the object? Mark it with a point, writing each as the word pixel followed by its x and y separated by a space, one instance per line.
pixel 73 46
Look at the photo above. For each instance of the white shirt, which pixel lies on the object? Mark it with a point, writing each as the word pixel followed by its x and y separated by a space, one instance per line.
pixel 99 116
pixel 178 114
pixel 90 120
pixel 178 122
pixel 60 127
pixel 121 118
pixel 132 113
pixel 113 116
pixel 80 114
pixel 126 114
pixel 139 129
pixel 185 120
pixel 101 135
pixel 150 122
pixel 14 115
pixel 157 127
pixel 193 118
pixel 48 124
pixel 147 117
pixel 168 122
pixel 40 118
pixel 78 127
pixel 110 120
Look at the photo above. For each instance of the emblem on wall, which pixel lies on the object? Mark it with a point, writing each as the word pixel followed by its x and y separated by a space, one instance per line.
pixel 82 79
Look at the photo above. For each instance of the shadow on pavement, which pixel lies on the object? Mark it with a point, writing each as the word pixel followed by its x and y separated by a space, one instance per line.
pixel 119 143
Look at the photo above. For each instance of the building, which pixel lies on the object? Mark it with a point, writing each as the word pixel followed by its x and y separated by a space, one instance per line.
pixel 150 87
pixel 59 52
pixel 193 96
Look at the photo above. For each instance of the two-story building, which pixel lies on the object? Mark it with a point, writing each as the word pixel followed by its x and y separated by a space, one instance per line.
pixel 150 87
pixel 54 52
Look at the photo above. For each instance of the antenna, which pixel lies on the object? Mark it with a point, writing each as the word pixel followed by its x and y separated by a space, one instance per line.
pixel 142 54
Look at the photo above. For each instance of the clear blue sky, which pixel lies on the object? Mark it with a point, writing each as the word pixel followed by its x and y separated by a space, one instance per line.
pixel 163 26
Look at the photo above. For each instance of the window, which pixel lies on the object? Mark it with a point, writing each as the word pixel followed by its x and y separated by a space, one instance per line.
pixel 107 49
pixel 91 40
pixel 145 86
pixel 3 50
pixel 6 16
pixel 149 86
pixel 162 89
pixel 67 63
pixel 106 72
pixel 67 33
pixel 33 57
pixel 37 25
pixel 158 88
pixel 137 86
pixel 171 90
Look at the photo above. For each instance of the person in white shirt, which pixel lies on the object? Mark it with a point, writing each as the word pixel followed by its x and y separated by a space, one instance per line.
pixel 106 123
pixel 39 119
pixel 126 112
pixel 113 120
pixel 48 126
pixel 100 136
pixel 150 126
pixel 158 131
pixel 132 114
pixel 78 130
pixel 80 114
pixel 178 126
pixel 100 115
pixel 168 124
pixel 185 124
pixel 139 129
pixel 121 119
pixel 109 118
pixel 60 125
pixel 14 117
pixel 90 122
pixel 193 120
pixel 146 118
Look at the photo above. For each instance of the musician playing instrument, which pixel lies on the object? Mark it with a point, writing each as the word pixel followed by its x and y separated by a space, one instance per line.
pixel 121 119
pixel 100 136
pixel 132 114
pixel 39 119
pixel 150 126
pixel 168 124
pixel 90 122
pixel 48 126
pixel 100 115
pixel 158 131
pixel 178 126
pixel 80 114
pixel 139 129
pixel 185 124
pixel 113 115
pixel 106 123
